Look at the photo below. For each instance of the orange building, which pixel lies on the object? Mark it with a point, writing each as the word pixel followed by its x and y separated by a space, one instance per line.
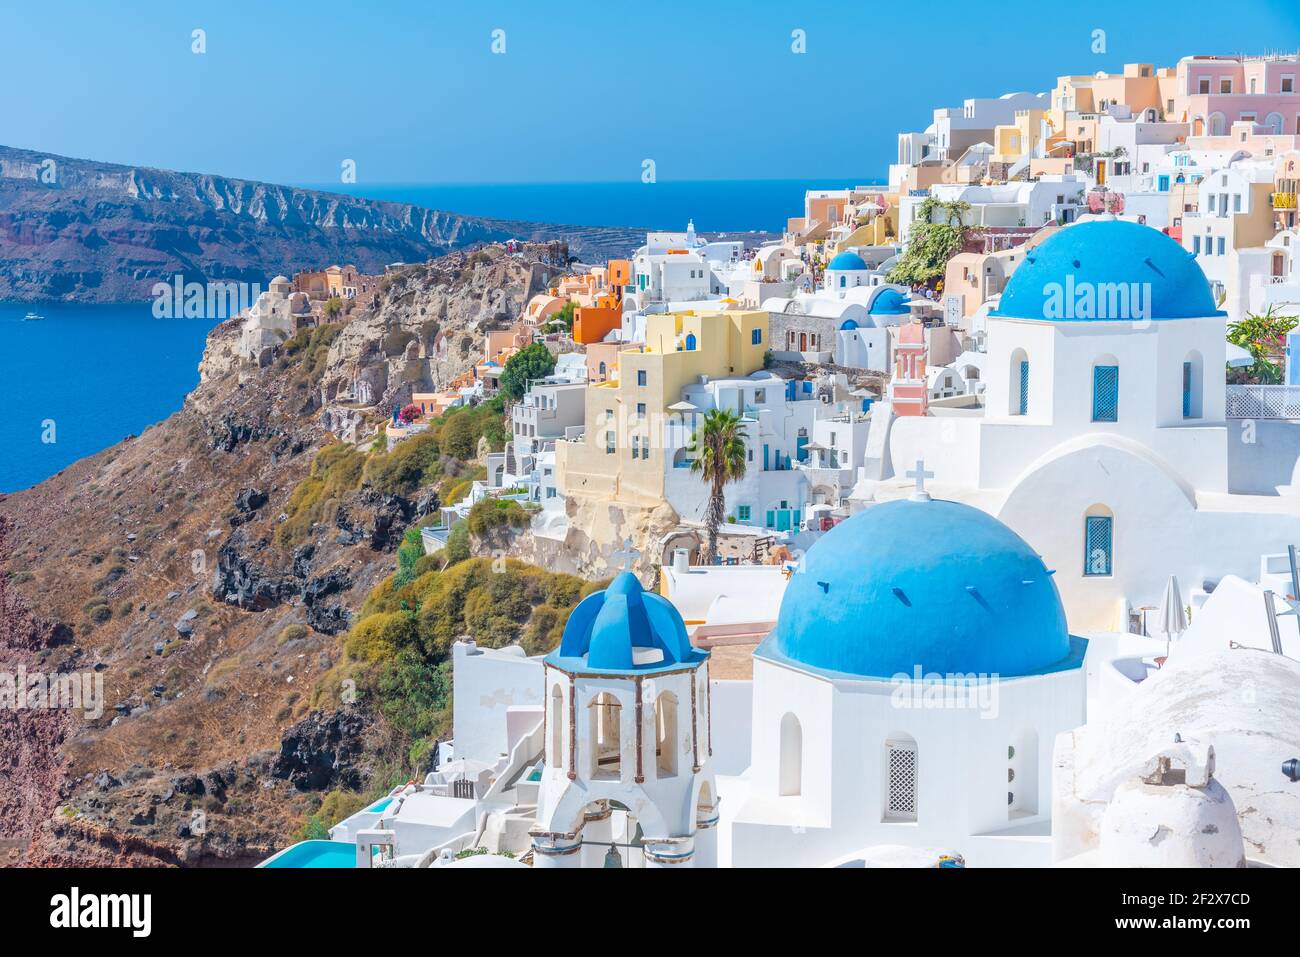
pixel 593 323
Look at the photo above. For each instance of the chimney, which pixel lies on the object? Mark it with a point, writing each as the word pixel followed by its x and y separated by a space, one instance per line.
pixel 681 561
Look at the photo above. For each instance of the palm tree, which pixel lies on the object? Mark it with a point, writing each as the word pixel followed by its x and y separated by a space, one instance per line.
pixel 719 449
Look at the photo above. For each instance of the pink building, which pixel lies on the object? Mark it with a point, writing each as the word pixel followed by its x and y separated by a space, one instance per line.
pixel 1216 92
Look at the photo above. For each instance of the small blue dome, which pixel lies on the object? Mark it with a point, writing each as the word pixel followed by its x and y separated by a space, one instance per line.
pixel 1097 258
pixel 930 584
pixel 889 302
pixel 624 629
pixel 847 261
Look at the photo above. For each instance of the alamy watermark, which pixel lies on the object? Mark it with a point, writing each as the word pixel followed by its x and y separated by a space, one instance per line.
pixel 927 691
pixel 24 690
pixel 1097 300
pixel 219 299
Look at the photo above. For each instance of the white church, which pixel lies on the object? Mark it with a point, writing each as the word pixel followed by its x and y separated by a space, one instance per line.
pixel 1102 437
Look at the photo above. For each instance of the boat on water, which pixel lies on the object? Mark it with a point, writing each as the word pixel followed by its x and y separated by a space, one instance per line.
pixel 32 317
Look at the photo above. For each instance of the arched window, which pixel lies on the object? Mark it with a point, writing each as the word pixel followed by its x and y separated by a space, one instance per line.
pixel 1274 122
pixel 842 281
pixel 1018 383
pixel 790 771
pixel 605 717
pixel 1105 390
pixel 1218 124
pixel 900 775
pixel 1193 376
pixel 666 746
pixel 1022 775
pixel 690 342
pixel 556 759
pixel 602 370
pixel 1098 542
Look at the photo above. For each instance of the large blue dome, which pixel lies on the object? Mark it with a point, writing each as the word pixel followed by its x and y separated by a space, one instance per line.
pixel 624 629
pixel 847 261
pixel 1103 255
pixel 930 584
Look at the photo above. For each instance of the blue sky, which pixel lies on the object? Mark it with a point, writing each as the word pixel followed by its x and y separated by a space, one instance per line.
pixel 585 90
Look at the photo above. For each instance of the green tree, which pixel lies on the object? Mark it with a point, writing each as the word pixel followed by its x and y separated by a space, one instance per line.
pixel 531 362
pixel 932 244
pixel 718 447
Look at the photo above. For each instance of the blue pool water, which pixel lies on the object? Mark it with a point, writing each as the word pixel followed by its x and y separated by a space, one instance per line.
pixel 316 854
pixel 380 806
pixel 98 373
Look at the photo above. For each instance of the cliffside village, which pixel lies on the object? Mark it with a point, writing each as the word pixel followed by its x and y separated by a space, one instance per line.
pixel 846 381
pixel 1006 374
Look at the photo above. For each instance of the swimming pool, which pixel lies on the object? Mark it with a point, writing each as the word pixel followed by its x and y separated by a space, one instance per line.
pixel 314 854
pixel 380 806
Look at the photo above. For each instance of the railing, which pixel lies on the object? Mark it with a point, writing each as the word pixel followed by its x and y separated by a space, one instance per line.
pixel 1284 201
pixel 1263 402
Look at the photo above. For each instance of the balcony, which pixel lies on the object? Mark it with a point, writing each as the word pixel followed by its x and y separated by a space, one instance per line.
pixel 1263 402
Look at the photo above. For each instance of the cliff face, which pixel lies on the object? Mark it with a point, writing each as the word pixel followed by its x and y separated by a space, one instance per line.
pixel 156 566
pixel 96 232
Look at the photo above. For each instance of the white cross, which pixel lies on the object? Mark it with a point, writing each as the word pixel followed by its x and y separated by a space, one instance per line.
pixel 920 474
pixel 628 554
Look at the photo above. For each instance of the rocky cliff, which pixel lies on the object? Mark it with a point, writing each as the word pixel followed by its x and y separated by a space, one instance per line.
pixel 160 567
pixel 76 229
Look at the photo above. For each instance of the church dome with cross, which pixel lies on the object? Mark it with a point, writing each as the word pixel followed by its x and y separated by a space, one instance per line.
pixel 926 584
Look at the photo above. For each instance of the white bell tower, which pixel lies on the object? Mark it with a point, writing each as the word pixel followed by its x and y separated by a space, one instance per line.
pixel 627 780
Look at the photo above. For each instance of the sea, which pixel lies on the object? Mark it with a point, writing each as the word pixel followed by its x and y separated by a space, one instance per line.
pixel 714 205
pixel 86 376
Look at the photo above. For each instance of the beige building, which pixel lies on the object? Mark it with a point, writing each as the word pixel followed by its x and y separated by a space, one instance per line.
pixel 621 455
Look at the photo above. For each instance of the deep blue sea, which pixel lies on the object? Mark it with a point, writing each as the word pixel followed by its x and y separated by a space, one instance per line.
pixel 715 205
pixel 98 373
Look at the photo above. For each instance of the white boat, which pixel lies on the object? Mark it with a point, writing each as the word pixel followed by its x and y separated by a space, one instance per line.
pixel 32 317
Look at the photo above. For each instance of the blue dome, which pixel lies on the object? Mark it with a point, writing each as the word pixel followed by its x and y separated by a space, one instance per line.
pixel 624 629
pixel 889 302
pixel 1091 259
pixel 847 261
pixel 936 585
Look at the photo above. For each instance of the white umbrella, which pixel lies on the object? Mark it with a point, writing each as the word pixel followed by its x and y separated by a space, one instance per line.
pixel 1173 617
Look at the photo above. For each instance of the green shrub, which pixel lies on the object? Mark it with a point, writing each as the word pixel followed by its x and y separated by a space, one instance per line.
pixel 335 472
pixel 411 465
pixel 379 637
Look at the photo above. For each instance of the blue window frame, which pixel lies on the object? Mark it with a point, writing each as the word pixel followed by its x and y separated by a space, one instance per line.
pixel 742 513
pixel 1105 393
pixel 756 337
pixel 1098 539
pixel 1162 184
pixel 1187 390
pixel 690 342
pixel 640 376
pixel 1024 387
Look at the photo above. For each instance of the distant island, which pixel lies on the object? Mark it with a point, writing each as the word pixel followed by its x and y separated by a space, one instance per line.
pixel 83 231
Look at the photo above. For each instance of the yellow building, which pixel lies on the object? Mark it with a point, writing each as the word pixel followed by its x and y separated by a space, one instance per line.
pixel 1012 141
pixel 621 455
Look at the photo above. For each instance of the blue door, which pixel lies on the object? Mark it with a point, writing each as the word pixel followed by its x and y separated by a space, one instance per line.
pixel 1105 393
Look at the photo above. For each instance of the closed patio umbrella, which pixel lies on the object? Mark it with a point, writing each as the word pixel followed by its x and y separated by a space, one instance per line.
pixel 1173 617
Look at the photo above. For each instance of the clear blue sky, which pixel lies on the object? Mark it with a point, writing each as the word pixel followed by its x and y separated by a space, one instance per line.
pixel 585 91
